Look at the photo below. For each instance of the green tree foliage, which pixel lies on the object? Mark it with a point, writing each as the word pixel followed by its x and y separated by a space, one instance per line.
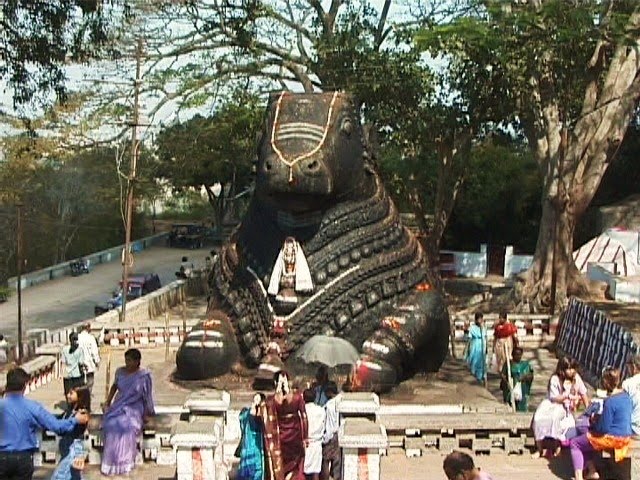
pixel 39 37
pixel 203 151
pixel 565 74
pixel 71 203
pixel 500 200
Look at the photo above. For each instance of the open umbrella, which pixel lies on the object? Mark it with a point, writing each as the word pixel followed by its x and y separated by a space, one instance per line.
pixel 329 351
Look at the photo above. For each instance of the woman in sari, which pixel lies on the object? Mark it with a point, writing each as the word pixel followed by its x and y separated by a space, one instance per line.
pixel 123 419
pixel 554 415
pixel 251 448
pixel 288 408
pixel 477 348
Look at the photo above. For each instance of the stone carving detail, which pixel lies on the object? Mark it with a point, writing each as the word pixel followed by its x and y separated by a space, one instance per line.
pixel 344 264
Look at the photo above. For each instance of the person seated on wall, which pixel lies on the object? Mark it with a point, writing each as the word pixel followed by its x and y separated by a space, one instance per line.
pixel 609 431
pixel 4 350
pixel 554 416
pixel 632 386
pixel 186 267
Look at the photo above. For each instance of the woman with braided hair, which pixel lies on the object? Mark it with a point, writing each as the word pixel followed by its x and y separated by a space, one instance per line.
pixel 288 408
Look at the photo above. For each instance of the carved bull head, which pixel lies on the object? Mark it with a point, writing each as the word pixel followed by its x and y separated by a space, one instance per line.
pixel 311 149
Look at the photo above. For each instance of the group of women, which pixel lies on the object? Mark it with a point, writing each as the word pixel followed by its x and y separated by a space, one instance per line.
pixel 505 340
pixel 273 432
pixel 607 422
pixel 128 404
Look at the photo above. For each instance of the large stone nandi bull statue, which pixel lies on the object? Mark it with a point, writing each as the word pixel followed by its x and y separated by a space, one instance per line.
pixel 321 250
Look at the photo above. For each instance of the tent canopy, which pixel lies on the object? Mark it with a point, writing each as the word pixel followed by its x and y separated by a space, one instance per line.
pixel 615 246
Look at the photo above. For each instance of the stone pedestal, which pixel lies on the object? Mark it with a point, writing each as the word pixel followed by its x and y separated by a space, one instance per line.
pixel 361 439
pixel 362 442
pixel 357 404
pixel 196 444
pixel 199 442
pixel 208 403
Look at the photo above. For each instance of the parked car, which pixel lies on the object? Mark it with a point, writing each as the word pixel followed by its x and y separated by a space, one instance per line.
pixel 138 284
pixel 187 235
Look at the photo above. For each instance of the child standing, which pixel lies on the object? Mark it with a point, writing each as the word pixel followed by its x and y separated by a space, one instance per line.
pixel 521 372
pixel 331 456
pixel 71 446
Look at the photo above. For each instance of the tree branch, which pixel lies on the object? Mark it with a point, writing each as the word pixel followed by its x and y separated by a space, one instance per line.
pixel 379 37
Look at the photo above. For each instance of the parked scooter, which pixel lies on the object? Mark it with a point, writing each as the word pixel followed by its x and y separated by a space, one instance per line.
pixel 78 267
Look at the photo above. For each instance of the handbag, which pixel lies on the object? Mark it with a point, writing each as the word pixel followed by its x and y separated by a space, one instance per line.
pixel 567 423
pixel 517 392
pixel 493 365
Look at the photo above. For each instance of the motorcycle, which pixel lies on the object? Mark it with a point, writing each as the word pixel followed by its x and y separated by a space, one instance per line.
pixel 78 267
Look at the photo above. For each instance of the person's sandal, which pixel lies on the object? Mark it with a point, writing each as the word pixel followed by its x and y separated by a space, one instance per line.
pixel 592 476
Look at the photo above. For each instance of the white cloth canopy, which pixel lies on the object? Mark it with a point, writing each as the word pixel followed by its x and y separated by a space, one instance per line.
pixel 615 246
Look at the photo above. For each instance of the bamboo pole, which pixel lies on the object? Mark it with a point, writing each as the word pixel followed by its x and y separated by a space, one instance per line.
pixel 509 377
pixel 107 385
pixel 166 335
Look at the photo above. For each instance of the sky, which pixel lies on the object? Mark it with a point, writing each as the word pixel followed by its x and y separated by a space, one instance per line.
pixel 111 78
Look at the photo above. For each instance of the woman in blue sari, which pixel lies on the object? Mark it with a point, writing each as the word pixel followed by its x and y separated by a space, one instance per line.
pixel 477 348
pixel 251 448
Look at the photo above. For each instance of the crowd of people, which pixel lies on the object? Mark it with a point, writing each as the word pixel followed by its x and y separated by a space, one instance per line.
pixel 128 405
pixel 291 435
pixel 566 417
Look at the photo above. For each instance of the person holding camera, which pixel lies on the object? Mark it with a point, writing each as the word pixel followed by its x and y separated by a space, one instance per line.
pixel 20 419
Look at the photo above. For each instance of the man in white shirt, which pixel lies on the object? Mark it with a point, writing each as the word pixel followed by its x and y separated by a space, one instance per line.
pixel 89 346
pixel 313 451
pixel 331 455
pixel 632 386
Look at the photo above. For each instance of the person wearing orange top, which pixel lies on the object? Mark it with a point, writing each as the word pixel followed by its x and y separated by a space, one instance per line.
pixel 610 430
pixel 505 339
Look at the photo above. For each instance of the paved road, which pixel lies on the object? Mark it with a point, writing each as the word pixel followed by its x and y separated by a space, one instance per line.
pixel 67 300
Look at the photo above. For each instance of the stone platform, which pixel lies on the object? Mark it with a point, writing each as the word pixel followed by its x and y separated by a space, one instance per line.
pixel 448 393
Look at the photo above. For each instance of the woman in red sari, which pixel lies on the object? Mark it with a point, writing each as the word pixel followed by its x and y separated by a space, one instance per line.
pixel 291 423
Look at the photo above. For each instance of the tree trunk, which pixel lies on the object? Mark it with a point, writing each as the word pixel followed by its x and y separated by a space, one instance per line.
pixel 452 153
pixel 218 205
pixel 574 162
pixel 554 253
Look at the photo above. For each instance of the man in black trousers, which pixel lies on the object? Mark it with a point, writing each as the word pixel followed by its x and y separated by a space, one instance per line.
pixel 20 418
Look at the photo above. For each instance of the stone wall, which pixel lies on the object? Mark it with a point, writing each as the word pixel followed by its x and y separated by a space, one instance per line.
pixel 104 256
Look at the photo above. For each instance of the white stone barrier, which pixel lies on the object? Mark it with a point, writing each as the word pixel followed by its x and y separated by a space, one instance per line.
pixel 361 439
pixel 199 443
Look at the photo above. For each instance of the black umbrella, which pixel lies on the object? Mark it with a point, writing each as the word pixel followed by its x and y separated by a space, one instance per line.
pixel 329 351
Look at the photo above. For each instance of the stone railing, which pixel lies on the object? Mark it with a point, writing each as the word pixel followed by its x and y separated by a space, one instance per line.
pixel 141 310
pixel 104 256
pixel 534 330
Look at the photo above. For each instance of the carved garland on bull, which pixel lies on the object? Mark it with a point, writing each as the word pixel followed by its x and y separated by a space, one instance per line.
pixel 321 250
